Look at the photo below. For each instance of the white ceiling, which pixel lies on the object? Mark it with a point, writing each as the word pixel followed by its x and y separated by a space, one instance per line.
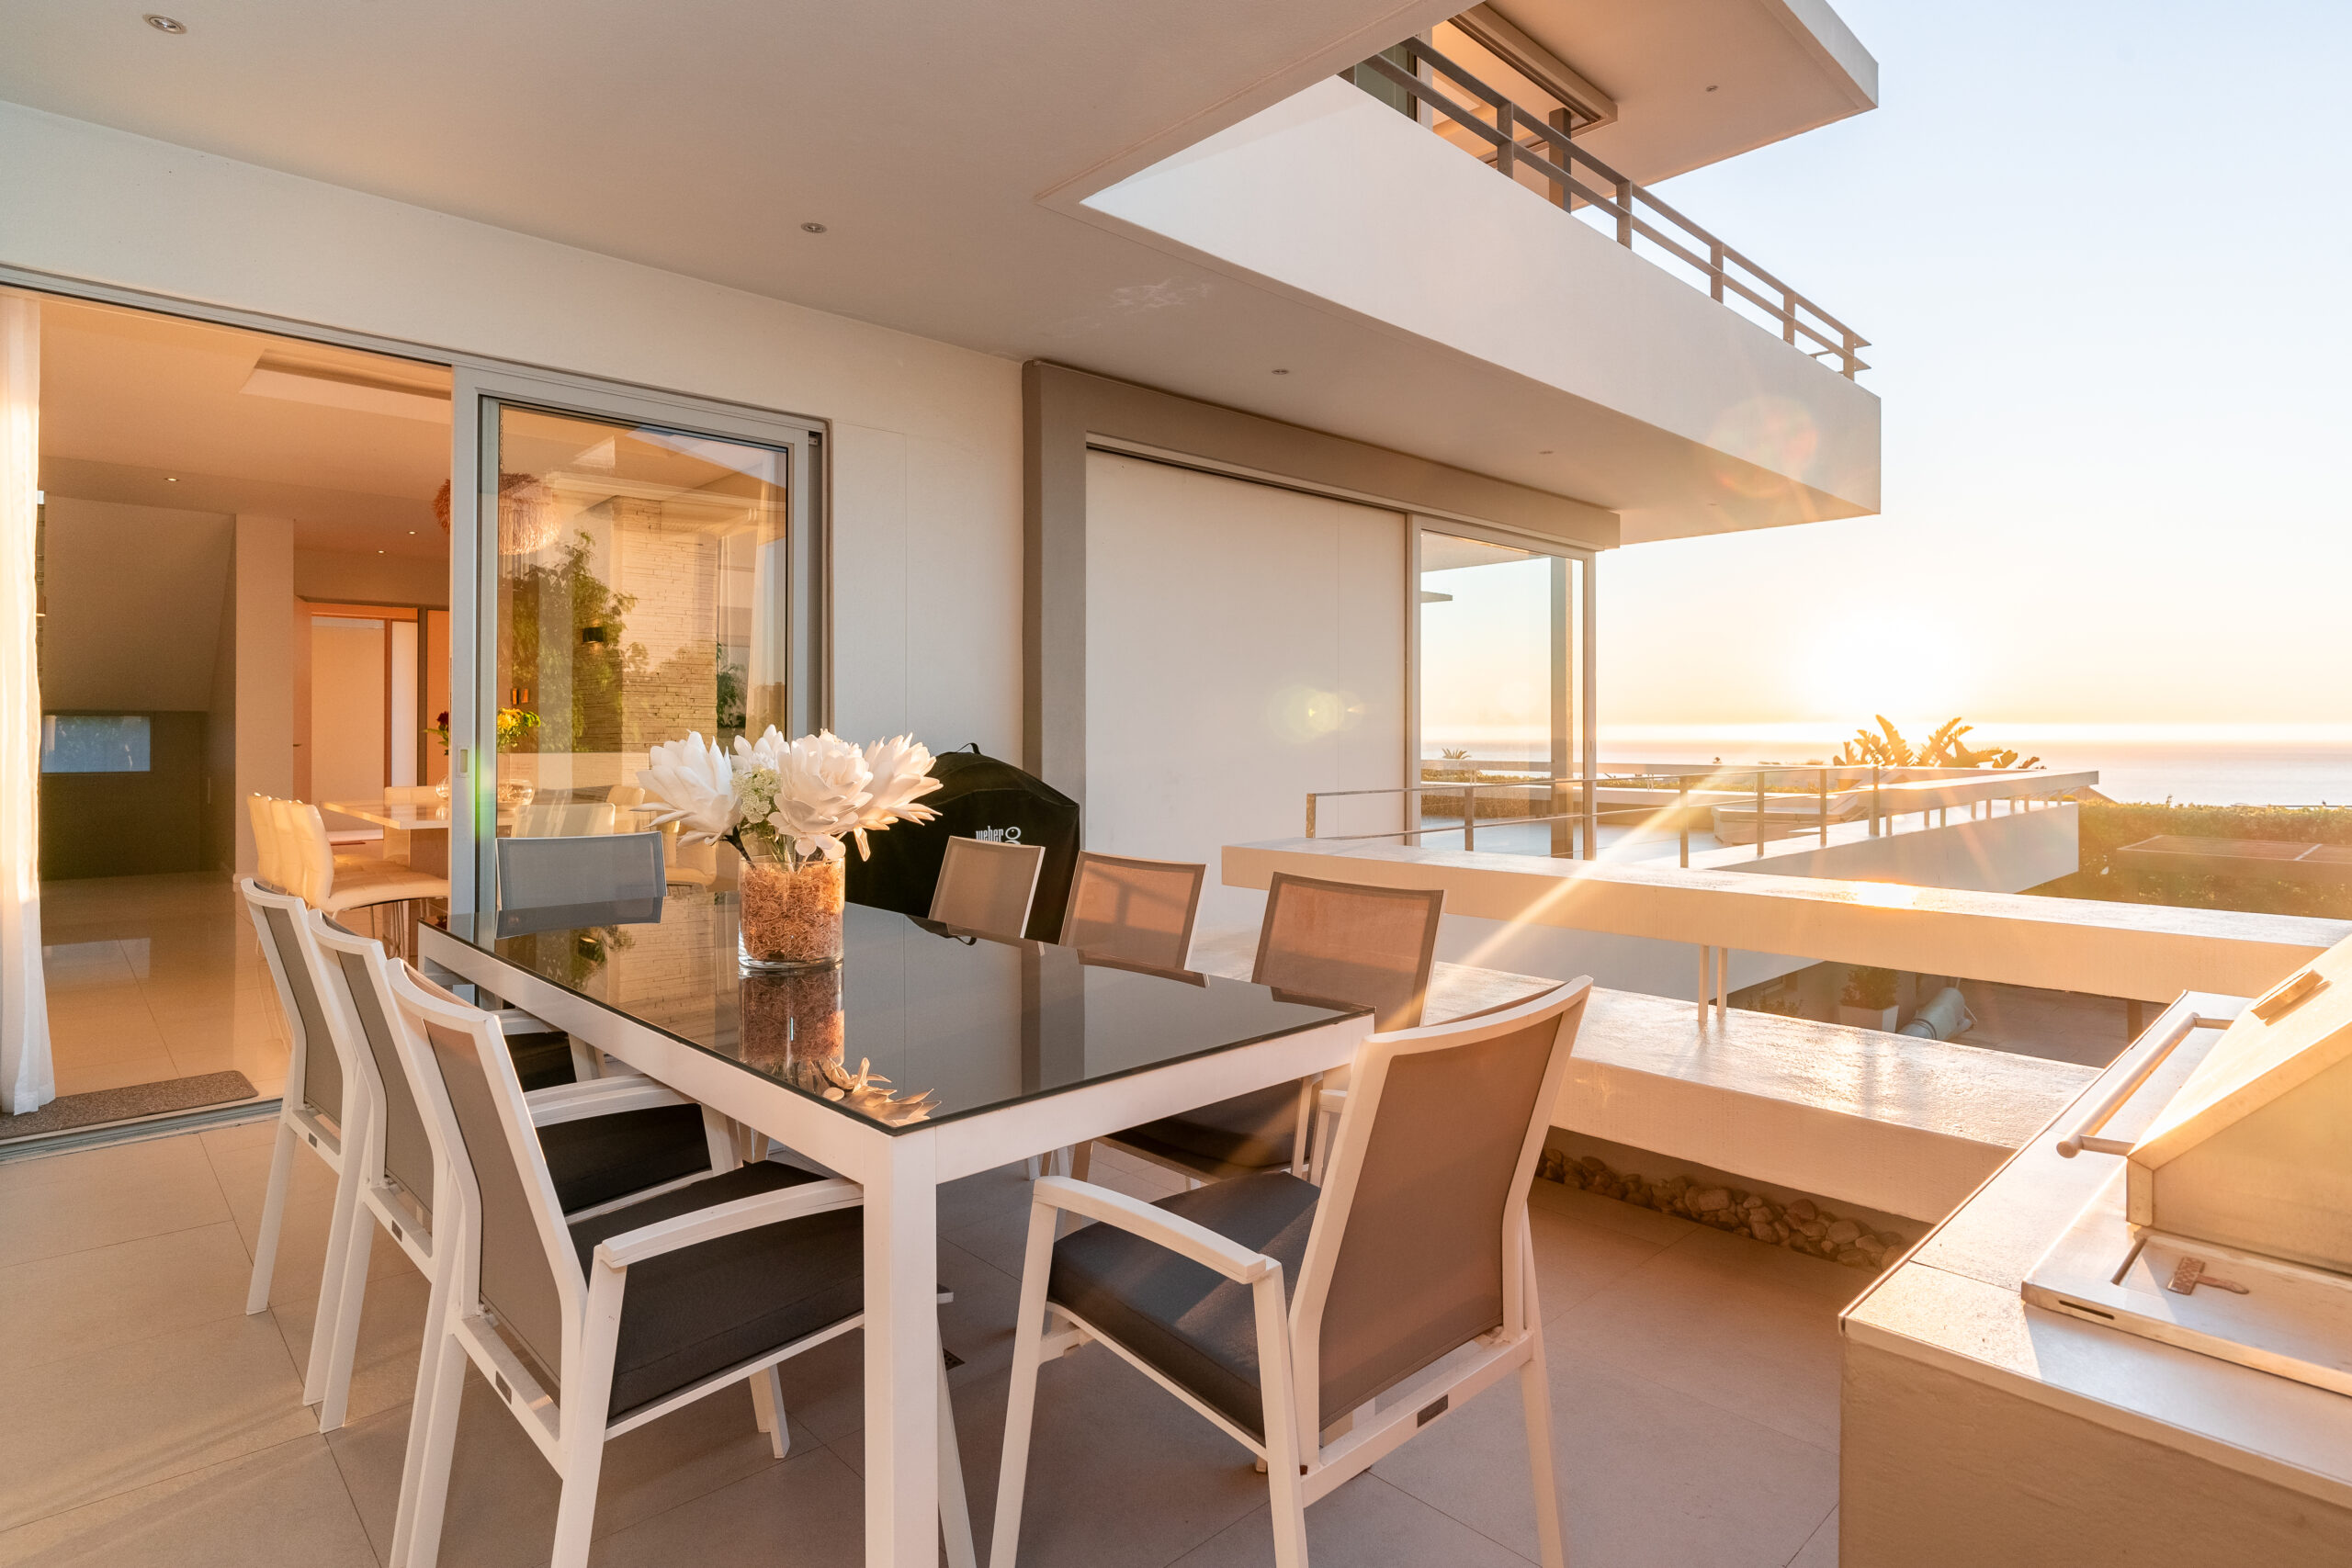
pixel 151 411
pixel 699 136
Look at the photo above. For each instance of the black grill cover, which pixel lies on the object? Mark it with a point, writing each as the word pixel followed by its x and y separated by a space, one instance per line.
pixel 979 798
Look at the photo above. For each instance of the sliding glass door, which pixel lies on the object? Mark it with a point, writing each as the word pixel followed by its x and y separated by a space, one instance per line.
pixel 639 571
pixel 1502 691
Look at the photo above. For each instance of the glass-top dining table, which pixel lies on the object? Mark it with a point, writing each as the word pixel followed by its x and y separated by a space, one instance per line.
pixel 993 1051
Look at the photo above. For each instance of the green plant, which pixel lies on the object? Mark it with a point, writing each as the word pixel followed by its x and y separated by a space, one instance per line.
pixel 1869 987
pixel 2105 827
pixel 1943 749
pixel 561 615
pixel 731 694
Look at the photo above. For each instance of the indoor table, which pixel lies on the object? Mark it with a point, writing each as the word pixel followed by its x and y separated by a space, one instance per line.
pixel 426 824
pixel 997 1051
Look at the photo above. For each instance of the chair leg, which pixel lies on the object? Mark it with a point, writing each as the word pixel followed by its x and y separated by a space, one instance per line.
pixel 1082 1162
pixel 335 1392
pixel 575 1513
pixel 1535 1404
pixel 955 1507
pixel 1282 1435
pixel 273 1215
pixel 326 1323
pixel 1021 1399
pixel 432 1437
pixel 767 1409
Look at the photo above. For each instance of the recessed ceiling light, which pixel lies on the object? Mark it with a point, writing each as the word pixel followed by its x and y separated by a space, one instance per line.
pixel 1281 372
pixel 1711 87
pixel 411 533
pixel 166 24
pixel 1546 452
pixel 812 227
pixel 170 481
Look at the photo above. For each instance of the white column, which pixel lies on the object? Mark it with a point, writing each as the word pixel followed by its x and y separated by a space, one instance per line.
pixel 27 1078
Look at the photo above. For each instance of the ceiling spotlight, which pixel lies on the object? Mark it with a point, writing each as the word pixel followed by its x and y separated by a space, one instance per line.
pixel 1281 372
pixel 170 481
pixel 165 24
pixel 812 227
pixel 1711 87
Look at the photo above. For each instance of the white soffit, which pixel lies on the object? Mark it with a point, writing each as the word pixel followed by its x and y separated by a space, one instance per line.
pixel 1694 82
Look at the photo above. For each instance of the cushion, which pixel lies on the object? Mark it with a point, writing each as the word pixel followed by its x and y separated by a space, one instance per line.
pixel 1196 1327
pixel 1249 1133
pixel 689 1314
pixel 599 1159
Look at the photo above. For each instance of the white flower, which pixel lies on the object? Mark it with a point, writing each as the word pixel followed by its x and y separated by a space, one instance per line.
pixel 820 791
pixel 690 780
pixel 899 772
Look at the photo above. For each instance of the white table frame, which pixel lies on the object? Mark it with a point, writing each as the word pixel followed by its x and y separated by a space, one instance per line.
pixel 901 1173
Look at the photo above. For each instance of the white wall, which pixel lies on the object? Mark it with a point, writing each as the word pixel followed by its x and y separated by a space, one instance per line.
pixel 347 707
pixel 134 606
pixel 926 455
pixel 265 667
pixel 1244 645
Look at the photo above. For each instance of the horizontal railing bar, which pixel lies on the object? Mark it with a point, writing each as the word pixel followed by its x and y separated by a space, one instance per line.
pixel 1789 309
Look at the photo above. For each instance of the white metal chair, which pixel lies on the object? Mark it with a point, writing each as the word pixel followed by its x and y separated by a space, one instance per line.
pixel 592 1328
pixel 1338 941
pixel 986 887
pixel 605 1143
pixel 1409 1291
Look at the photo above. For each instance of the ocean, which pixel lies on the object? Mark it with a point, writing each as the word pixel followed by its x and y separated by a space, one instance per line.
pixel 2221 768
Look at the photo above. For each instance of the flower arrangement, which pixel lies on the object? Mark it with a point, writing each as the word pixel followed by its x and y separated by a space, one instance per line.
pixel 801 798
pixel 513 725
pixel 787 807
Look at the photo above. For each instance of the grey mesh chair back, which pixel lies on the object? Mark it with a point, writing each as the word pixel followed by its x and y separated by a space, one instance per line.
pixel 359 970
pixel 1344 941
pixel 278 920
pixel 986 887
pixel 548 883
pixel 510 1204
pixel 1419 1237
pixel 1137 912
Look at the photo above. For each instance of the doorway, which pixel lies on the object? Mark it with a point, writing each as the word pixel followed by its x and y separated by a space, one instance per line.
pixel 211 498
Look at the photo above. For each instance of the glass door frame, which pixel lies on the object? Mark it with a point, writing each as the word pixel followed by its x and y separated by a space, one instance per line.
pixel 1574 604
pixel 477 395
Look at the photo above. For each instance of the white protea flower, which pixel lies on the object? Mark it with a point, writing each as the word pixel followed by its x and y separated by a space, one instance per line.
pixel 820 791
pixel 899 772
pixel 690 780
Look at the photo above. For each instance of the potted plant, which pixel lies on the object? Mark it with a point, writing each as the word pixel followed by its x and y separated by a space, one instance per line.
pixel 786 806
pixel 1868 999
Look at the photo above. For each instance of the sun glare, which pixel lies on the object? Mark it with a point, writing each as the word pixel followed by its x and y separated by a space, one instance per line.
pixel 1884 663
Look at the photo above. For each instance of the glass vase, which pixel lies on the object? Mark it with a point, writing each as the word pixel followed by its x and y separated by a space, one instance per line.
pixel 791 912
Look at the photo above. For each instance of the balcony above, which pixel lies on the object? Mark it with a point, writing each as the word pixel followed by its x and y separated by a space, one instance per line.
pixel 1617 382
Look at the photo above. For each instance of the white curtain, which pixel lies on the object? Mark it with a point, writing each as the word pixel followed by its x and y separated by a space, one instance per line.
pixel 28 1080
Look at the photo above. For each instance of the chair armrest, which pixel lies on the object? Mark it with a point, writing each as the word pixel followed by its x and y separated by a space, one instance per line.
pixel 726 1219
pixel 1172 1231
pixel 515 1021
pixel 598 1097
pixel 1331 1101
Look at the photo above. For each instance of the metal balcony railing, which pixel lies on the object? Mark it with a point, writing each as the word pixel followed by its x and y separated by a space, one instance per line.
pixel 1739 806
pixel 1517 138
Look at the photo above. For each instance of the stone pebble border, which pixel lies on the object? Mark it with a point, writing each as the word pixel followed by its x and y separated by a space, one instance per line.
pixel 1801 1226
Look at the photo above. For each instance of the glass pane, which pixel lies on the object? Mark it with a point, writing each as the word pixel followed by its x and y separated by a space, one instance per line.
pixel 93 743
pixel 1495 691
pixel 641 596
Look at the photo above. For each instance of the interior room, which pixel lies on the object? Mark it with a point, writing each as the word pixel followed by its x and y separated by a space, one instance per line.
pixel 243 591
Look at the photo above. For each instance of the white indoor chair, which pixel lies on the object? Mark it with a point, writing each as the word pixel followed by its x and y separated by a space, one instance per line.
pixel 605 1143
pixel 1409 1273
pixel 1336 941
pixel 590 1328
pixel 335 884
pixel 986 887
pixel 566 820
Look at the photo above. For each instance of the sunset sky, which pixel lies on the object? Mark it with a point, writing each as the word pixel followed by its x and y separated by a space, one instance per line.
pixel 2104 252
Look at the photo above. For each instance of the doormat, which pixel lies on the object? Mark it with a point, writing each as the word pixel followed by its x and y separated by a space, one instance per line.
pixel 68 1112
